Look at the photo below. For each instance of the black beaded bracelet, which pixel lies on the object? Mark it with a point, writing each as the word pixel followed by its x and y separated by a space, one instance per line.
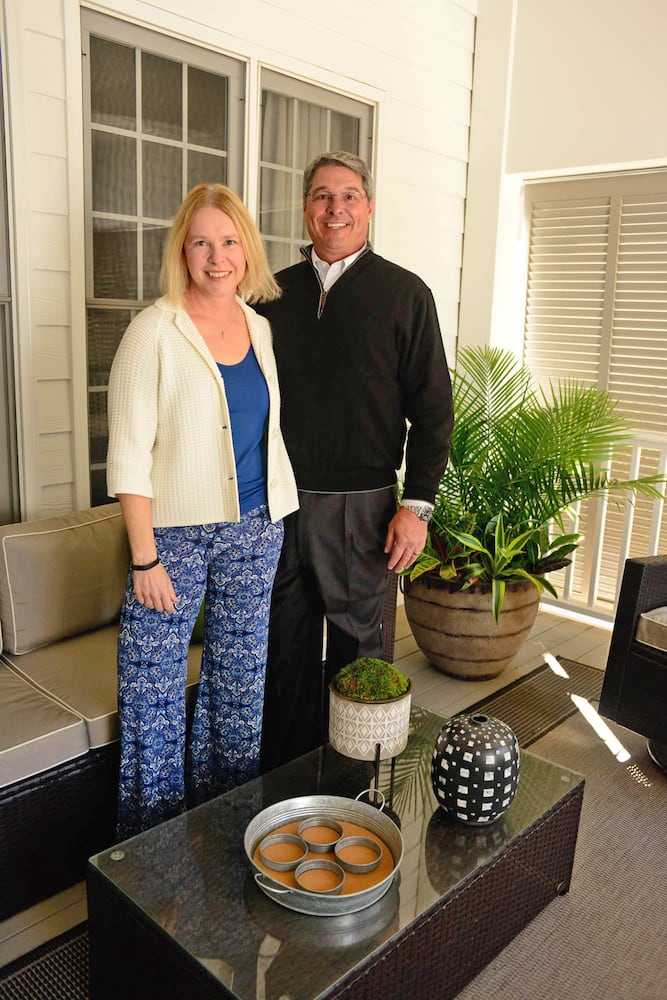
pixel 149 565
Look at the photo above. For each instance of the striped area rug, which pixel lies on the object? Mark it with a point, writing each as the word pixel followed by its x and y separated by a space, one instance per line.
pixel 540 701
pixel 57 970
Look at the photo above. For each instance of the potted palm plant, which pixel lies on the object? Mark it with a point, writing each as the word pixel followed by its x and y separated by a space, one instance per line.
pixel 521 457
pixel 369 705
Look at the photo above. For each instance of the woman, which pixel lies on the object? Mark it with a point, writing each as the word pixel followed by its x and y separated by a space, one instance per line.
pixel 197 461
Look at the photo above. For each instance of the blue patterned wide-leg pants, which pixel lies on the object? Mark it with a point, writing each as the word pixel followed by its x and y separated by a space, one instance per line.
pixel 233 564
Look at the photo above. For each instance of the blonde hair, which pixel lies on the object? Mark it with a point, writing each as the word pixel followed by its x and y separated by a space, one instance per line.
pixel 257 285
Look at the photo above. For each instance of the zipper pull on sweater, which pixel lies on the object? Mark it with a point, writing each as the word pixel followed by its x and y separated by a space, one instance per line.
pixel 323 299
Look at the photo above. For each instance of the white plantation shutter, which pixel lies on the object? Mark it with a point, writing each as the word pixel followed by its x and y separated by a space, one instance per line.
pixel 566 287
pixel 596 310
pixel 638 356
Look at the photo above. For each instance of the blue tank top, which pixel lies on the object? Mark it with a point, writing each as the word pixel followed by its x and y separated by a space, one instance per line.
pixel 248 401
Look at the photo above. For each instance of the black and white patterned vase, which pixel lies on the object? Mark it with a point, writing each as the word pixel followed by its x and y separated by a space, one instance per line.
pixel 475 768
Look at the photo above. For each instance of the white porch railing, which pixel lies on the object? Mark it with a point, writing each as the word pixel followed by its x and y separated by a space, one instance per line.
pixel 614 531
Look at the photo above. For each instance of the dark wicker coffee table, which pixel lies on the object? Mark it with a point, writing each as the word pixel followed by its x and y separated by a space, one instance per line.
pixel 175 912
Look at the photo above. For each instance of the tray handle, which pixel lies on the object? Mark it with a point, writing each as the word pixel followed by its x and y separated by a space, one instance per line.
pixel 259 879
pixel 373 795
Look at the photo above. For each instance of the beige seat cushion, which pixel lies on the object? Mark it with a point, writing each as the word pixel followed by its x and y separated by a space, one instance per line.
pixel 36 733
pixel 652 628
pixel 81 674
pixel 61 575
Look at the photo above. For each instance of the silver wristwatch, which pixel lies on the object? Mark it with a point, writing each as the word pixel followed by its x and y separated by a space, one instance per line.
pixel 422 509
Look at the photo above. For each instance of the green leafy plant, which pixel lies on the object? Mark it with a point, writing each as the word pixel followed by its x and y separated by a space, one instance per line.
pixel 521 457
pixel 370 679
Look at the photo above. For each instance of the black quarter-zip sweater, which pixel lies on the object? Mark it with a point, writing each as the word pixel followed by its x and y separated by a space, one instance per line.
pixel 353 365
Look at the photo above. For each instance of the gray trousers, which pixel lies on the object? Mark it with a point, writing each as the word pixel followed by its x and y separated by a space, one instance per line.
pixel 332 567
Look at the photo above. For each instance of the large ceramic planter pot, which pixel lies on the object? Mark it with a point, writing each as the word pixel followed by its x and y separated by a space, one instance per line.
pixel 356 727
pixel 456 629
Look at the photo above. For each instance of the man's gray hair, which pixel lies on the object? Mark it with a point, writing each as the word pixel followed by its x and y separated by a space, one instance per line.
pixel 338 159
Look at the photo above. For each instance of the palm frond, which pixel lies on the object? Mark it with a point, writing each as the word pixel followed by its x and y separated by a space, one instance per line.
pixel 521 457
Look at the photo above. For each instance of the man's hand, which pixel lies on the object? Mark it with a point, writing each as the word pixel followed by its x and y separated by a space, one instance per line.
pixel 406 536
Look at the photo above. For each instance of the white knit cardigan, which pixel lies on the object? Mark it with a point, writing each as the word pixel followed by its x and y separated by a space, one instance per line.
pixel 170 435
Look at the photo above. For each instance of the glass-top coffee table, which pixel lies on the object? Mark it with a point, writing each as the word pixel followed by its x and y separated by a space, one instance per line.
pixel 175 912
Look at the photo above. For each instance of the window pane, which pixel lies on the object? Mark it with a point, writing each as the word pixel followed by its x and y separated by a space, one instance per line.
pixel 114 259
pixel 114 174
pixel 275 202
pixel 277 128
pixel 154 240
pixel 98 425
pixel 112 84
pixel 162 179
pixel 105 329
pixel 98 487
pixel 281 255
pixel 204 168
pixel 311 132
pixel 207 105
pixel 161 98
pixel 344 132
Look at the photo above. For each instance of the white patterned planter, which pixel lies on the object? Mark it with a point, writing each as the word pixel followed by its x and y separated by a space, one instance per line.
pixel 356 727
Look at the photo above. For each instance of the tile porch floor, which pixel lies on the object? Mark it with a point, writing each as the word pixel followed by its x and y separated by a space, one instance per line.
pixel 552 633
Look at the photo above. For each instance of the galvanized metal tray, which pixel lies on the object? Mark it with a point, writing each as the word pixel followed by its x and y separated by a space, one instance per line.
pixel 335 807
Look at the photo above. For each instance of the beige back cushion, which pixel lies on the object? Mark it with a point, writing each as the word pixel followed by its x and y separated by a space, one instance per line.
pixel 61 575
pixel 652 628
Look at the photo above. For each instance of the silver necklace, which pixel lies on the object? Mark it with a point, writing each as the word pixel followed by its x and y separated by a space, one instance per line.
pixel 231 322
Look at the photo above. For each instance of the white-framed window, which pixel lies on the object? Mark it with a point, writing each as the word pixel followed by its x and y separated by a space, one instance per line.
pixel 160 115
pixel 298 121
pixel 596 311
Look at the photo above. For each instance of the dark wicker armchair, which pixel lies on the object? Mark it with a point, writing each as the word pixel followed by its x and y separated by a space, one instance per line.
pixel 634 690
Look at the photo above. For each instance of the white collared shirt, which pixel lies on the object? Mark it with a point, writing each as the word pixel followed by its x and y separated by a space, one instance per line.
pixel 331 272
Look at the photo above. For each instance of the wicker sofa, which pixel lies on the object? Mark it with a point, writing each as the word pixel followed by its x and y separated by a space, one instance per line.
pixel 634 690
pixel 61 585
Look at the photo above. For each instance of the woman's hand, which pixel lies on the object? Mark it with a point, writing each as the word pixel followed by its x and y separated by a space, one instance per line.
pixel 153 588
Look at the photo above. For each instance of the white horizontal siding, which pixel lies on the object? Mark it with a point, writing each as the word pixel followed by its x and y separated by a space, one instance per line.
pixel 55 455
pixel 38 171
pixel 46 124
pixel 53 407
pixel 49 237
pixel 50 298
pixel 48 182
pixel 52 353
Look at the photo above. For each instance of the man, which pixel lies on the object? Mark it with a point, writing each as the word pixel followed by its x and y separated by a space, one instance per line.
pixel 359 352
